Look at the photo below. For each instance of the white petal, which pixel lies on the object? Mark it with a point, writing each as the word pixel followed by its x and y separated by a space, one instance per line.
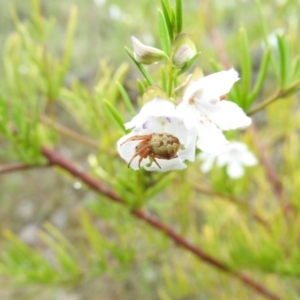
pixel 248 159
pixel 208 161
pixel 223 159
pixel 235 170
pixel 226 114
pixel 156 107
pixel 189 145
pixel 210 88
pixel 211 140
pixel 167 165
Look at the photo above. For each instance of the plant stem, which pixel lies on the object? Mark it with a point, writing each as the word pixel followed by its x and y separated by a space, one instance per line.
pixel 270 171
pixel 76 171
pixel 275 96
pixel 69 132
pixel 19 167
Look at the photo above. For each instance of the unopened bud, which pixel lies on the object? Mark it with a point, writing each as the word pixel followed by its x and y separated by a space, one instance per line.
pixel 183 49
pixel 146 54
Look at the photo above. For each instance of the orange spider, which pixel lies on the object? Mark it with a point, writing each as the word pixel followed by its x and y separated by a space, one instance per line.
pixel 155 145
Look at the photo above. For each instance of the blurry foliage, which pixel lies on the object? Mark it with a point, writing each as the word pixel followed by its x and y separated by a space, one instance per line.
pixel 48 86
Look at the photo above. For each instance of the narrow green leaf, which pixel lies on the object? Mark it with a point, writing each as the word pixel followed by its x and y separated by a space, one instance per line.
pixel 245 65
pixel 265 34
pixel 163 78
pixel 164 33
pixel 141 87
pixel 217 66
pixel 140 67
pixel 167 4
pixel 178 16
pixel 284 59
pixel 94 237
pixel 190 64
pixel 70 37
pixel 159 186
pixel 260 78
pixel 126 99
pixel 296 68
pixel 115 115
pixel 167 16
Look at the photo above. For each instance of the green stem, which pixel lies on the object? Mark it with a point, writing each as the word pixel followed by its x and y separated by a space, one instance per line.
pixel 275 96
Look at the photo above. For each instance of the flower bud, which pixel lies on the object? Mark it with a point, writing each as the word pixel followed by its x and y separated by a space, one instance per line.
pixel 145 54
pixel 183 49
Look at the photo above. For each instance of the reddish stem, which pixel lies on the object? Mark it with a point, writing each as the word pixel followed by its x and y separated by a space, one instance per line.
pixel 56 159
pixel 19 167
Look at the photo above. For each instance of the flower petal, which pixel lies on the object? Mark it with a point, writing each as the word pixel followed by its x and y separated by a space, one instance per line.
pixel 226 114
pixel 211 140
pixel 208 161
pixel 155 108
pixel 235 170
pixel 210 88
pixel 248 159
pixel 167 165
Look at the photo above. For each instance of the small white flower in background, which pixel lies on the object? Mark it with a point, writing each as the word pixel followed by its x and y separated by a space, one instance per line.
pixel 99 2
pixel 236 158
pixel 205 110
pixel 159 141
pixel 115 12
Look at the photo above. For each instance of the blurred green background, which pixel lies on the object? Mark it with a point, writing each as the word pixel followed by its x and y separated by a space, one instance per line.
pixel 30 198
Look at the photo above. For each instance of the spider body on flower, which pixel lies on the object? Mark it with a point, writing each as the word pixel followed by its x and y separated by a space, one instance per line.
pixel 155 145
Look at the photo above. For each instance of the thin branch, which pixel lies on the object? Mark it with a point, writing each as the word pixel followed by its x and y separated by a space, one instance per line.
pixel 278 94
pixel 58 160
pixel 14 167
pixel 270 171
pixel 69 132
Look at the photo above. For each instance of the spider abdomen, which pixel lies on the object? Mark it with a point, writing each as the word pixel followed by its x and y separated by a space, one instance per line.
pixel 164 145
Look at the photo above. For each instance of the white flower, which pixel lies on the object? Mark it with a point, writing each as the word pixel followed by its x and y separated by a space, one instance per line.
pixel 235 159
pixel 210 88
pixel 203 109
pixel 158 130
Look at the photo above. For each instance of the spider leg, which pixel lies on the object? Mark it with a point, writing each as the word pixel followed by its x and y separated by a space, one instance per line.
pixel 146 137
pixel 143 155
pixel 153 157
pixel 139 152
pixel 132 158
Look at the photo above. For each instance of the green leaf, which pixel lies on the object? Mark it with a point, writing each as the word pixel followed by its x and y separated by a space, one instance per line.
pixel 284 60
pixel 70 38
pixel 140 67
pixel 167 15
pixel 141 87
pixel 126 99
pixel 245 65
pixel 178 16
pixel 159 185
pixel 115 115
pixel 163 78
pixel 217 66
pixel 260 78
pixel 164 33
pixel 296 68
